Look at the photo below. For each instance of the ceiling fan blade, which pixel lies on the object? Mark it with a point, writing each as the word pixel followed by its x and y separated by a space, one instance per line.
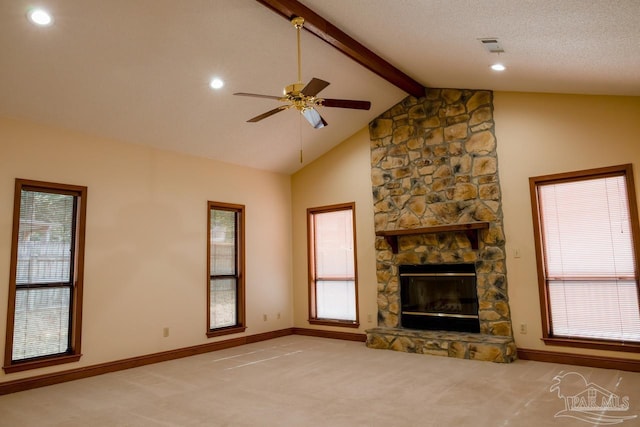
pixel 255 95
pixel 346 103
pixel 314 118
pixel 314 87
pixel 268 113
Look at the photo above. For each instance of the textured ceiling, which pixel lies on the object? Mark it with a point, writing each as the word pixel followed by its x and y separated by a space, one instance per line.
pixel 566 46
pixel 138 71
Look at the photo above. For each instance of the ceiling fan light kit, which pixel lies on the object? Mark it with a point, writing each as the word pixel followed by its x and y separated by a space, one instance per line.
pixel 304 97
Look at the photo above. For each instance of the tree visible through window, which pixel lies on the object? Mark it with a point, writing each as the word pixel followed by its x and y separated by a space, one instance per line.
pixel 44 316
pixel 226 262
pixel 332 265
pixel 586 227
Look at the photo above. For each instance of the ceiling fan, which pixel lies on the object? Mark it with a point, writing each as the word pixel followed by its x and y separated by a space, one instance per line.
pixel 304 97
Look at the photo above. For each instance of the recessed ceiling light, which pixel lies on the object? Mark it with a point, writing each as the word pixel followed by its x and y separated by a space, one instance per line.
pixel 498 67
pixel 40 17
pixel 216 83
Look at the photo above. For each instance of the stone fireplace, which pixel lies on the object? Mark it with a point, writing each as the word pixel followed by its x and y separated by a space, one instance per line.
pixel 436 195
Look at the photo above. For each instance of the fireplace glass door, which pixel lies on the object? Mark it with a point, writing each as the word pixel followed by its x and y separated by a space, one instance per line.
pixel 439 297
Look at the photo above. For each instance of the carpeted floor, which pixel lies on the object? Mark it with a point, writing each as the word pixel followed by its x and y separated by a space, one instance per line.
pixel 307 381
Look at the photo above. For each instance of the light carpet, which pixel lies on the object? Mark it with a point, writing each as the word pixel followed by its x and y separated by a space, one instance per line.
pixel 308 381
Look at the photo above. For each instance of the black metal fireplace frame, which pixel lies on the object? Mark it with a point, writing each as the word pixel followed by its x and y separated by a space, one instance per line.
pixel 441 320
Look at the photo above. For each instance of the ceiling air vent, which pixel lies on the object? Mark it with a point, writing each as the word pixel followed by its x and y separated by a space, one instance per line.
pixel 492 45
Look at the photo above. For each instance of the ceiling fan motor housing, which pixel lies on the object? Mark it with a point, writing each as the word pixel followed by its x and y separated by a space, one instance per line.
pixel 294 89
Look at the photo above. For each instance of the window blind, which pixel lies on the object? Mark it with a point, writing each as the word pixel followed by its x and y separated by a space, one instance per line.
pixel 334 244
pixel 589 259
pixel 335 265
pixel 223 268
pixel 43 274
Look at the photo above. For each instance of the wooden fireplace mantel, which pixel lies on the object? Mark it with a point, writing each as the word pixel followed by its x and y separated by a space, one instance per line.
pixel 470 229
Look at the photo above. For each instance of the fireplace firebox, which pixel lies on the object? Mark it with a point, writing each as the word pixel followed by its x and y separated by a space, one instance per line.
pixel 439 297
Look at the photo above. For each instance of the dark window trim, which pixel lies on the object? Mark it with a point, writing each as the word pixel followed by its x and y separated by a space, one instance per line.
pixel 313 319
pixel 240 325
pixel 77 271
pixel 626 171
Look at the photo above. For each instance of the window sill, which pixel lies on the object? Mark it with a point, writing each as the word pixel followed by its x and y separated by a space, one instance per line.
pixel 41 363
pixel 593 344
pixel 226 331
pixel 330 322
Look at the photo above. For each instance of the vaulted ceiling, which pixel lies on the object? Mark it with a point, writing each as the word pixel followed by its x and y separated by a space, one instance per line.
pixel 139 70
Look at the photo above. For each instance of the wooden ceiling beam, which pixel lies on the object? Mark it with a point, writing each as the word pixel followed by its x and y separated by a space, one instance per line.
pixel 337 38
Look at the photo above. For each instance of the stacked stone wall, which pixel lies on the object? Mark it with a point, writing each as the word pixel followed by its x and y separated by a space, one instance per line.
pixel 434 162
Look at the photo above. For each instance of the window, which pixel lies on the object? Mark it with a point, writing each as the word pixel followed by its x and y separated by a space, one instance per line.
pixel 45 292
pixel 225 249
pixel 333 293
pixel 586 226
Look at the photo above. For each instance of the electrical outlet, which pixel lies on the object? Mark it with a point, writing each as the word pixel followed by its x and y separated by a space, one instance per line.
pixel 516 253
pixel 264 317
pixel 165 332
pixel 523 328
pixel 369 318
pixel 278 316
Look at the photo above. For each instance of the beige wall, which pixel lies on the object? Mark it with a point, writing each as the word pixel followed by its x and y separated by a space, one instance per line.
pixel 536 134
pixel 540 134
pixel 340 176
pixel 145 266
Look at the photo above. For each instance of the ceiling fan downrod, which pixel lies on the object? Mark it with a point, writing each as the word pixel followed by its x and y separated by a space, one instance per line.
pixel 298 22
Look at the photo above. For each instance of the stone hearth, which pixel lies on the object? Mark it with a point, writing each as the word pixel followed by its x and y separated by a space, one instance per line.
pixel 451 344
pixel 433 164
